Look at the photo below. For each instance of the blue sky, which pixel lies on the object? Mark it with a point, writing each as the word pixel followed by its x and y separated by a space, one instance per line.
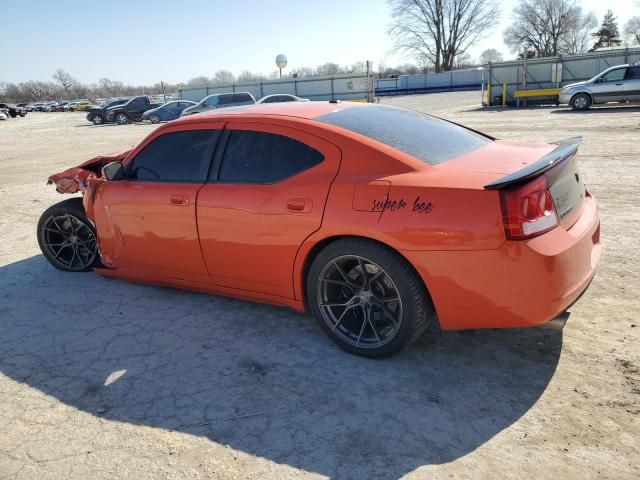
pixel 143 42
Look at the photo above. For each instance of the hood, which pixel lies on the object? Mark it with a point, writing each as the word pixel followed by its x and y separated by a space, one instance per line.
pixel 75 179
pixel 576 84
pixel 110 109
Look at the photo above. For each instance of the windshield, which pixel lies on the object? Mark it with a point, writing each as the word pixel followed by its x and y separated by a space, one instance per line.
pixel 426 138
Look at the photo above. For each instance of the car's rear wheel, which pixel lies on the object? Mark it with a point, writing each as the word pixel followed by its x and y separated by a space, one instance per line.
pixel 581 101
pixel 66 237
pixel 122 119
pixel 154 118
pixel 97 119
pixel 367 298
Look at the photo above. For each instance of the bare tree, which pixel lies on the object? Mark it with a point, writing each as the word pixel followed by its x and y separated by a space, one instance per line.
pixel 329 68
pixel 632 30
pixel 441 30
pixel 423 63
pixel 549 27
pixel 223 76
pixel 304 72
pixel 202 80
pixel 64 79
pixel 247 76
pixel 490 55
pixel 577 38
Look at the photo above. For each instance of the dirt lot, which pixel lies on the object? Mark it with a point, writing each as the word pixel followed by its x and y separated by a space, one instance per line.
pixel 105 379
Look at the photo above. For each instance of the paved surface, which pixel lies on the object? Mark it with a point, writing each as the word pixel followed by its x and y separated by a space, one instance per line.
pixel 104 379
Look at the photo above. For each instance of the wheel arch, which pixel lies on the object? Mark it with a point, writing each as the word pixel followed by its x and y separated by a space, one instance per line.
pixel 317 246
pixel 583 92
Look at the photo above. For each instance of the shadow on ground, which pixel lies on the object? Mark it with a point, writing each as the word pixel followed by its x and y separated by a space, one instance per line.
pixel 263 380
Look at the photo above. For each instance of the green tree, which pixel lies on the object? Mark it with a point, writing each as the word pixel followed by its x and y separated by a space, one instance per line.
pixel 608 35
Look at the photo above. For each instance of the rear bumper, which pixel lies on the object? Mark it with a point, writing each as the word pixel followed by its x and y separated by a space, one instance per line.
pixel 522 284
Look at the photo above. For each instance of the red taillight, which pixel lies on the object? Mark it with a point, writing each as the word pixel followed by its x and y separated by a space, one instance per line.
pixel 528 210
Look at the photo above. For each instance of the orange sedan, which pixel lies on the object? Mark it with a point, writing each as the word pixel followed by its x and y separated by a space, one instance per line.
pixel 374 219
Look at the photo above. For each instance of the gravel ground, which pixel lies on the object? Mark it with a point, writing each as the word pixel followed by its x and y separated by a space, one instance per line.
pixel 104 379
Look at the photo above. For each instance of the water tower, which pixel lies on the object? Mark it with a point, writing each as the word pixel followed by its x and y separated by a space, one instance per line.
pixel 281 62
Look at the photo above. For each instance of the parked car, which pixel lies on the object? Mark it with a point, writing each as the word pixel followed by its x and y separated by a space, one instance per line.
pixel 281 97
pixel 4 113
pixel 81 106
pixel 616 84
pixel 220 100
pixel 131 111
pixel 277 204
pixel 166 112
pixel 13 109
pixel 98 113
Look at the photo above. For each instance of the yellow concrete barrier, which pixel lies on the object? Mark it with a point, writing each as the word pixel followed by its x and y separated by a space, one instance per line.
pixel 543 92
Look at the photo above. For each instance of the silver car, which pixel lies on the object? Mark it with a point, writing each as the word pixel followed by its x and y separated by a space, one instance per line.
pixel 616 84
pixel 220 100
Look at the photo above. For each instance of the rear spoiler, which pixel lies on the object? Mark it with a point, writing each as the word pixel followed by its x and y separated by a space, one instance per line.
pixel 565 149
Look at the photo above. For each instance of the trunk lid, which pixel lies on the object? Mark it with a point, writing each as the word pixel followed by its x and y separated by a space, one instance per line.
pixel 513 164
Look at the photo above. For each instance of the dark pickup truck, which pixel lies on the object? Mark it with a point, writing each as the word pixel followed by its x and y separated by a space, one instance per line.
pixel 98 114
pixel 131 111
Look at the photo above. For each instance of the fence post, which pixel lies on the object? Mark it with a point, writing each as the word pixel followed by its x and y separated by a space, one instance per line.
pixel 261 92
pixel 295 86
pixel 332 97
pixel 207 87
pixel 489 87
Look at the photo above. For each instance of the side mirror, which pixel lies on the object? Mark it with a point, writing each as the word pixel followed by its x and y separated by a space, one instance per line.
pixel 113 171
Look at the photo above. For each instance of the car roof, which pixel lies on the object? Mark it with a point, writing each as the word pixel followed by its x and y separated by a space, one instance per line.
pixel 304 110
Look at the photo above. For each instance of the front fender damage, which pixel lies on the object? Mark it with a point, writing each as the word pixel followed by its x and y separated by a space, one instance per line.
pixel 85 178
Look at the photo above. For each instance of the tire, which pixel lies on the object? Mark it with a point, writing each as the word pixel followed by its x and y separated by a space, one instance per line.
pixel 97 119
pixel 67 238
pixel 339 298
pixel 154 118
pixel 122 118
pixel 581 101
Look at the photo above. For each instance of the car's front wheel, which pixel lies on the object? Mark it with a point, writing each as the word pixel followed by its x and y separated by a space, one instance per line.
pixel 66 237
pixel 122 119
pixel 97 119
pixel 154 118
pixel 367 298
pixel 581 101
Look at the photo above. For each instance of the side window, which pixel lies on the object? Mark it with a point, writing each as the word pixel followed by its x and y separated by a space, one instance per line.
pixel 241 97
pixel 261 157
pixel 175 157
pixel 212 102
pixel 633 73
pixel 614 75
pixel 227 99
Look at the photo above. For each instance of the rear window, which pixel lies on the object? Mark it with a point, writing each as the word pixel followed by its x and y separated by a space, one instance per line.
pixel 426 138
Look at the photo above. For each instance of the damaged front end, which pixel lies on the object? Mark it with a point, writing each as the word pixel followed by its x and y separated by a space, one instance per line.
pixel 85 178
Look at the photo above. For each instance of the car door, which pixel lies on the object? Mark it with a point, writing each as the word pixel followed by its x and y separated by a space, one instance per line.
pixel 632 84
pixel 610 86
pixel 266 195
pixel 147 221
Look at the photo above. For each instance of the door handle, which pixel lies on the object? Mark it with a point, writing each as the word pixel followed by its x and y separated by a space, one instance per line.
pixel 299 205
pixel 179 200
pixel 621 83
